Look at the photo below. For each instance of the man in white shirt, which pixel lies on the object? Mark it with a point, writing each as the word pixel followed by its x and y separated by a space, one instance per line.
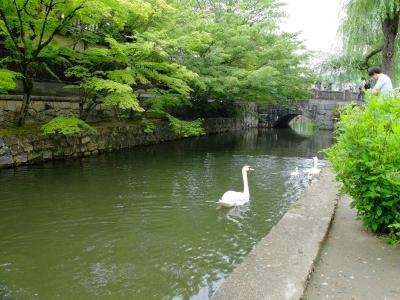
pixel 383 82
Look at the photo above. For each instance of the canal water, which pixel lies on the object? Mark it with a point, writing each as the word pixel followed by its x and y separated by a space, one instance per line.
pixel 143 223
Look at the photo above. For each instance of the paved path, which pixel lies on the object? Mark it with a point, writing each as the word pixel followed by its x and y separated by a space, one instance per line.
pixel 354 263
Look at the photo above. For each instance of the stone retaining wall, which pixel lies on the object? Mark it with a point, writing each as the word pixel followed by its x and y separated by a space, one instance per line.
pixel 44 108
pixel 23 149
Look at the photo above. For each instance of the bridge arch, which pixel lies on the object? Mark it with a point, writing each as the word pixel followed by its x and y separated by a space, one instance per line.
pixel 284 121
pixel 320 108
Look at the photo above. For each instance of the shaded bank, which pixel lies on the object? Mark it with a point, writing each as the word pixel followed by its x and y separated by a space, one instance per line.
pixel 29 148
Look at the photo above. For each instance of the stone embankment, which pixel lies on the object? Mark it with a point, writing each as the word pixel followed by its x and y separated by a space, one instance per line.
pixel 31 148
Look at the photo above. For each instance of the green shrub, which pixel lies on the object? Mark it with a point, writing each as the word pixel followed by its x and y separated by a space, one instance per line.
pixel 186 128
pixel 65 125
pixel 7 80
pixel 366 158
pixel 148 126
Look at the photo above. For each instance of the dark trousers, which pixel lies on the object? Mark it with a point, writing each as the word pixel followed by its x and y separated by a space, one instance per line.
pixel 361 96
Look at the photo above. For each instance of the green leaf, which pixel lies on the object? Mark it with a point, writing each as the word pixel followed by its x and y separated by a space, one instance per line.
pixel 66 125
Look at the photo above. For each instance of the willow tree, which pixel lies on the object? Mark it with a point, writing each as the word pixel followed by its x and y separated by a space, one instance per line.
pixel 370 29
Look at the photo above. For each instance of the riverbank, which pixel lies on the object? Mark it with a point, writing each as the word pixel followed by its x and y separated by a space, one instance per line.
pixel 30 146
pixel 281 263
pixel 354 263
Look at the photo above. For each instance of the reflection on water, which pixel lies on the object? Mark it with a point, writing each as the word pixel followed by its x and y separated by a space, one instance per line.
pixel 303 126
pixel 143 223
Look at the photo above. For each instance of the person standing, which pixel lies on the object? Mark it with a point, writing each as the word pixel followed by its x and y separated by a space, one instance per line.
pixel 330 85
pixel 383 84
pixel 349 86
pixel 364 85
pixel 318 85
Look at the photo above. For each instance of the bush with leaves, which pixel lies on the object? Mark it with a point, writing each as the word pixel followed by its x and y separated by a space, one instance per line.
pixel 186 128
pixel 66 125
pixel 7 80
pixel 148 126
pixel 158 107
pixel 366 158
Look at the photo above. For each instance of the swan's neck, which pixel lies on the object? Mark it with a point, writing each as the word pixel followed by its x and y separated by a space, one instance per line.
pixel 315 163
pixel 245 183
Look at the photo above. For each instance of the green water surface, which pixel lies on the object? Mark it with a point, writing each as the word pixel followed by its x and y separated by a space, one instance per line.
pixel 143 223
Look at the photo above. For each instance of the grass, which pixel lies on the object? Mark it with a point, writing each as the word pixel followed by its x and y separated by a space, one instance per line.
pixel 21 130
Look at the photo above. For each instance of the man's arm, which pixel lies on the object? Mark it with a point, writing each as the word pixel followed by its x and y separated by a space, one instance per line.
pixel 378 86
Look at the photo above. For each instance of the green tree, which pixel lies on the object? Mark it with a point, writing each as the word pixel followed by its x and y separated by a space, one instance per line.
pixel 237 50
pixel 31 30
pixel 370 28
pixel 28 27
pixel 117 74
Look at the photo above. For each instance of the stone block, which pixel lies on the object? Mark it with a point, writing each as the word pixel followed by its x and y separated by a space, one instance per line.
pixel 28 147
pixel 37 106
pixel 47 144
pixel 3 104
pixel 68 151
pixel 85 139
pixel 330 106
pixel 6 160
pixel 73 140
pixel 4 150
pixel 47 155
pixel 12 105
pixel 16 149
pixel 48 106
pixel 10 139
pixel 91 146
pixel 34 156
pixel 20 158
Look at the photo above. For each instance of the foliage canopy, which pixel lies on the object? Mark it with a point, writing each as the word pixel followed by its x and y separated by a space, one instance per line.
pixel 179 53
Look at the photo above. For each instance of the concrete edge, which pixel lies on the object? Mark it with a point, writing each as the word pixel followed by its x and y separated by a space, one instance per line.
pixel 280 265
pixel 321 244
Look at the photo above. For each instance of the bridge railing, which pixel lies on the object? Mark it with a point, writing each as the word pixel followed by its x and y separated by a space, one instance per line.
pixel 334 95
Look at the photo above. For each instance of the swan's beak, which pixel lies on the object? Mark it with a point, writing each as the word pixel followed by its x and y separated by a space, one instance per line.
pixel 251 169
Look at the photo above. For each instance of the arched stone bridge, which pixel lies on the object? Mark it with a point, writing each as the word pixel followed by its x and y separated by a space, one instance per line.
pixel 319 108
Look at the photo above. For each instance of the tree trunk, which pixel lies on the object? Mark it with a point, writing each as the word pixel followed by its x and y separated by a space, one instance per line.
pixel 86 112
pixel 28 87
pixel 390 29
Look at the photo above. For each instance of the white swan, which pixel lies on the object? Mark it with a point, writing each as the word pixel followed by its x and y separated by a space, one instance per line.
pixel 231 198
pixel 314 170
pixel 295 172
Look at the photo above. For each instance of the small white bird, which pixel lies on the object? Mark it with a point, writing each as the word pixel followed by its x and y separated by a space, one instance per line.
pixel 231 198
pixel 314 170
pixel 295 172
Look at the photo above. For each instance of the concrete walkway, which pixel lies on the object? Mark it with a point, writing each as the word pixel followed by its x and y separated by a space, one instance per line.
pixel 354 263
